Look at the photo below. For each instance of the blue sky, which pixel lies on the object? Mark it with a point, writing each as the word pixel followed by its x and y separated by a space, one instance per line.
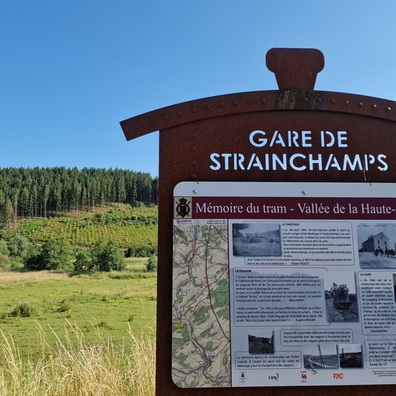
pixel 72 70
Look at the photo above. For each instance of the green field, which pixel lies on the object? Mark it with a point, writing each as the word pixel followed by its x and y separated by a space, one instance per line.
pixel 110 303
pixel 78 335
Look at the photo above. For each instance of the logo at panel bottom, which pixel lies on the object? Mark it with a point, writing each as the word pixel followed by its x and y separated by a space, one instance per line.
pixel 242 377
pixel 273 377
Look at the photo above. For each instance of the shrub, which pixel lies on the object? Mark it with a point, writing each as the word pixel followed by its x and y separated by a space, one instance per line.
pixel 65 306
pixel 53 255
pixel 16 263
pixel 24 310
pixel 107 257
pixel 5 261
pixel 83 261
pixel 33 262
pixel 56 254
pixel 4 248
pixel 141 251
pixel 19 246
pixel 151 265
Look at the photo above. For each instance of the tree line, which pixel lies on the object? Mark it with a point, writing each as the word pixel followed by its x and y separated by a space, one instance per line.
pixel 40 192
pixel 57 254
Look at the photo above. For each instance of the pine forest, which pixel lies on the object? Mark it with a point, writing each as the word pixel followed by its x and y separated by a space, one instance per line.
pixel 43 192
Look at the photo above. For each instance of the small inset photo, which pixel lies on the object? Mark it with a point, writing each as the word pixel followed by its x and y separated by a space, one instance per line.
pixel 341 300
pixel 261 342
pixel 350 355
pixel 256 239
pixel 377 246
pixel 320 356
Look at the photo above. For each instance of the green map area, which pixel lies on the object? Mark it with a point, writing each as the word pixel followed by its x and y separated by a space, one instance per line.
pixel 201 310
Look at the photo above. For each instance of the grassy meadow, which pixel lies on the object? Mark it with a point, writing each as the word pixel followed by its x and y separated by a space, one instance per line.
pixel 109 302
pixel 89 334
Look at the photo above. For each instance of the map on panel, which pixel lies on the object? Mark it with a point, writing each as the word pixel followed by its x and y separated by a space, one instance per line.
pixel 201 311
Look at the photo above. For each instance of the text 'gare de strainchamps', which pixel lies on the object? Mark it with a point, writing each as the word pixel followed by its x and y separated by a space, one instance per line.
pixel 265 161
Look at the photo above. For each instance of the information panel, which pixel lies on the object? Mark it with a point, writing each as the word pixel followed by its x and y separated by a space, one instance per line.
pixel 283 284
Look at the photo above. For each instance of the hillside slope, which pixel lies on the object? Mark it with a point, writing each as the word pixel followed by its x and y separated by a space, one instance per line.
pixel 126 226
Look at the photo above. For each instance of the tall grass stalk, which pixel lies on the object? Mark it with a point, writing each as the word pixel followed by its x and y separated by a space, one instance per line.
pixel 73 367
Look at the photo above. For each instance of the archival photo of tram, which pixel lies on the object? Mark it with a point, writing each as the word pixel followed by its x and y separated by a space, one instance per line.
pixel 320 356
pixel 261 342
pixel 256 239
pixel 377 246
pixel 350 355
pixel 341 299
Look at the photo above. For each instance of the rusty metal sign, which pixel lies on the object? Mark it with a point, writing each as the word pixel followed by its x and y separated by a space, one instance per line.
pixel 294 135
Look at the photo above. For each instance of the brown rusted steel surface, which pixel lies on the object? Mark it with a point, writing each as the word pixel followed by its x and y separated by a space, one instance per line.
pixel 257 101
pixel 295 68
pixel 183 152
pixel 190 131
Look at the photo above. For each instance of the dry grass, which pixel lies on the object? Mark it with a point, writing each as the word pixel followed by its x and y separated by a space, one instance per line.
pixel 10 276
pixel 78 368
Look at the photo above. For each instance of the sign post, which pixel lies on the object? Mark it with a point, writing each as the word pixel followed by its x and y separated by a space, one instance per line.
pixel 276 239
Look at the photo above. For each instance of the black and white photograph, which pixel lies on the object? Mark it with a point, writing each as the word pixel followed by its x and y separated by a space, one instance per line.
pixel 320 356
pixel 256 239
pixel 261 342
pixel 341 300
pixel 377 245
pixel 350 355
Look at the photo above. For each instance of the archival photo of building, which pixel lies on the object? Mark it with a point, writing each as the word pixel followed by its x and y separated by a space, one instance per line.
pixel 377 245
pixel 379 242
